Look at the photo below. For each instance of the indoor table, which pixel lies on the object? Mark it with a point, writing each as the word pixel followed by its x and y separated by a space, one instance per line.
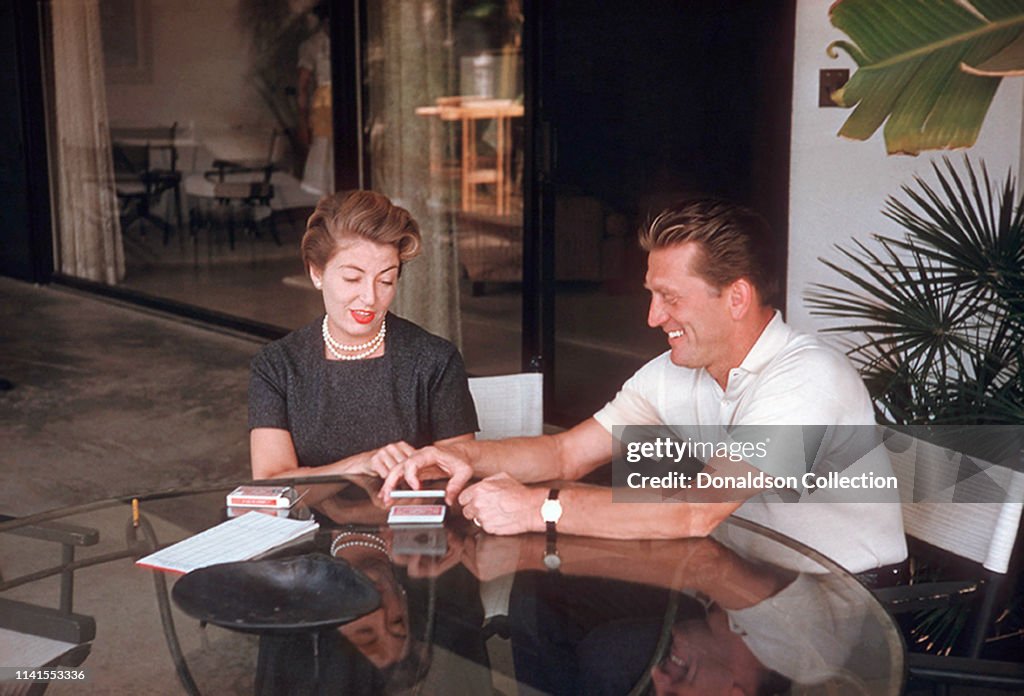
pixel 468 111
pixel 460 611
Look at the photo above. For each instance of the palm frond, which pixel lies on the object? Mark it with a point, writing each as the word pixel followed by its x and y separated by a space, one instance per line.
pixel 939 312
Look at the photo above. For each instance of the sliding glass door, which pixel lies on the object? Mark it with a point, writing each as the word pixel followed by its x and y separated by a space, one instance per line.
pixel 640 106
pixel 444 138
pixel 189 142
pixel 182 158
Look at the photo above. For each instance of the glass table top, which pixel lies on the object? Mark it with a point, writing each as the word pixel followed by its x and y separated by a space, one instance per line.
pixel 460 611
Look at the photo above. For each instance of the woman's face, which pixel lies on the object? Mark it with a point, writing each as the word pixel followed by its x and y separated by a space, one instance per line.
pixel 359 284
pixel 381 636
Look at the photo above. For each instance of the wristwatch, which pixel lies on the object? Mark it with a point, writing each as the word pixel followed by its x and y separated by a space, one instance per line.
pixel 551 512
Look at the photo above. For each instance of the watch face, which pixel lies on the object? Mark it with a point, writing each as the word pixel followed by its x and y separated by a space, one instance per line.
pixel 551 511
pixel 552 561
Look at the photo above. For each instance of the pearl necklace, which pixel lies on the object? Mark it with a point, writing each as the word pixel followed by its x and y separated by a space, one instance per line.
pixel 358 352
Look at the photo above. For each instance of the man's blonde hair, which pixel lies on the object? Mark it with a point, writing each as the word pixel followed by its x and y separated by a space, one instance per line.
pixel 734 242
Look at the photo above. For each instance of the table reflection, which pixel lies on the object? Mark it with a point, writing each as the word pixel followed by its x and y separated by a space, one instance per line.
pixel 700 616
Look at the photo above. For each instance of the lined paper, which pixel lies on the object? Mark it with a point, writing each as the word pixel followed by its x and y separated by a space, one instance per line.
pixel 238 539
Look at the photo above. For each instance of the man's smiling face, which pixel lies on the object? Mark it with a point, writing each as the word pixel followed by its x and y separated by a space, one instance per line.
pixel 694 315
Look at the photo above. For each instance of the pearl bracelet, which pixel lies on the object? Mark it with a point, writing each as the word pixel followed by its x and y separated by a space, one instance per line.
pixel 377 544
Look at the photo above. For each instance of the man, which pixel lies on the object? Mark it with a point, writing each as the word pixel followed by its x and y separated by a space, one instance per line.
pixel 714 273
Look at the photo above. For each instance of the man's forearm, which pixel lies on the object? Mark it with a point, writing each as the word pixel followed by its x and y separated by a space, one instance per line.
pixel 526 459
pixel 591 511
pixel 567 456
pixel 703 565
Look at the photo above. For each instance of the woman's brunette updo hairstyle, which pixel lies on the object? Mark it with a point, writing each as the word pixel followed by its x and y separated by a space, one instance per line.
pixel 350 215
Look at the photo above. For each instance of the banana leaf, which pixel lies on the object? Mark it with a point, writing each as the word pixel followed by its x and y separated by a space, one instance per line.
pixel 927 69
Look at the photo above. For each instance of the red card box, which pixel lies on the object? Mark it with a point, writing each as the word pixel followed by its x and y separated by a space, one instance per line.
pixel 262 496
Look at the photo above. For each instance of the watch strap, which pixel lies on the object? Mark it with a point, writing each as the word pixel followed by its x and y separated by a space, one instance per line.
pixel 550 526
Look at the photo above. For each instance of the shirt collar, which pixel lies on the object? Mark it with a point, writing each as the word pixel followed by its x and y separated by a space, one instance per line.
pixel 773 338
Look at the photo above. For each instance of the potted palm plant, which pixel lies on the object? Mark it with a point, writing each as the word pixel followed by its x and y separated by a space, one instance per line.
pixel 940 310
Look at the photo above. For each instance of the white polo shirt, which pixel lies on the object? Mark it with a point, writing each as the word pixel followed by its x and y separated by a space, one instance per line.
pixel 787 378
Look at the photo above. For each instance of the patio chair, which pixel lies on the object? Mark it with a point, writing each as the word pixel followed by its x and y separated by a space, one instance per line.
pixel 969 509
pixel 46 638
pixel 506 406
pixel 509 405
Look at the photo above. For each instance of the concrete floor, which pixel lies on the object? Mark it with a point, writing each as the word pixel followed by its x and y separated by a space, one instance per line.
pixel 103 396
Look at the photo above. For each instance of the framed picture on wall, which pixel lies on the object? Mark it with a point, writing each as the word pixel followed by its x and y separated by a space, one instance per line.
pixel 127 41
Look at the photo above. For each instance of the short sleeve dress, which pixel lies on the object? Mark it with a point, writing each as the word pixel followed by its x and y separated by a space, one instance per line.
pixel 416 392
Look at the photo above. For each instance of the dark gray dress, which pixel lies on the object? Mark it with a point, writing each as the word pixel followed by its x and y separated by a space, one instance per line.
pixel 416 392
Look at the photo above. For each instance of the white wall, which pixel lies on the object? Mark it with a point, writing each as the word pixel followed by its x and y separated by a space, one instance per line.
pixel 200 61
pixel 837 186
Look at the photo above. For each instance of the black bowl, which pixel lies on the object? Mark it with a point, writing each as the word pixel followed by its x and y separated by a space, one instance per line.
pixel 300 593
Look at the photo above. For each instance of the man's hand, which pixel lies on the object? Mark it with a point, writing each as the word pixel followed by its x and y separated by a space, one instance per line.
pixel 501 505
pixel 430 463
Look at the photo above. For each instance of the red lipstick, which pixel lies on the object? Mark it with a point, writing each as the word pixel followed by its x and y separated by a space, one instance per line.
pixel 362 316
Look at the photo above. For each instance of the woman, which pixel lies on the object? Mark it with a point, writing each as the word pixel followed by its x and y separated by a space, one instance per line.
pixel 359 389
pixel 314 105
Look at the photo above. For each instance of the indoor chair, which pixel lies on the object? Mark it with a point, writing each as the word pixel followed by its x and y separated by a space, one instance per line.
pixel 241 188
pixel 145 168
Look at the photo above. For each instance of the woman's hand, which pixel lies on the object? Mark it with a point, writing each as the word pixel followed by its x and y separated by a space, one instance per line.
pixel 378 462
pixel 430 463
pixel 273 456
pixel 388 457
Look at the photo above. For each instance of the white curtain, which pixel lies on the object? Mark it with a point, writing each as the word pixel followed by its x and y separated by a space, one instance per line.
pixel 89 237
pixel 408 66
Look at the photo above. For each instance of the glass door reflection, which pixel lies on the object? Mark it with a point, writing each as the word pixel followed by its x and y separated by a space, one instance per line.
pixel 444 126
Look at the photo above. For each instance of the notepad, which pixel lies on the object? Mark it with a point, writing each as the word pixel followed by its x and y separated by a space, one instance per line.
pixel 238 539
